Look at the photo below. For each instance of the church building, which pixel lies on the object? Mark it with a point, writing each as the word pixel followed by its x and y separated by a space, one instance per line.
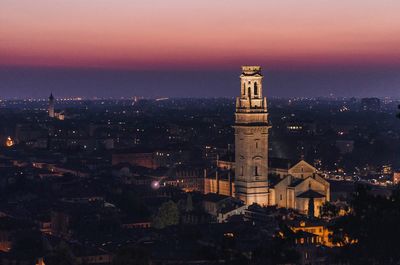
pixel 299 187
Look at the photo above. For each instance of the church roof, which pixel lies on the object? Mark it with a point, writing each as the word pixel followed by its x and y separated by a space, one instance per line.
pixel 295 182
pixel 310 194
pixel 273 180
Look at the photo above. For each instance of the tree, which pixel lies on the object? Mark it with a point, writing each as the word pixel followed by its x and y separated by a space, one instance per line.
pixel 370 233
pixel 276 251
pixel 131 256
pixel 329 210
pixel 62 255
pixel 189 203
pixel 168 214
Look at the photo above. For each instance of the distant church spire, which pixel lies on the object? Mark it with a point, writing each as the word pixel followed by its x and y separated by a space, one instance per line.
pixel 51 106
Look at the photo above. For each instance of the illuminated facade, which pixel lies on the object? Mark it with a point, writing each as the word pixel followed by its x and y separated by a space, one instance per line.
pixel 251 139
pixel 298 187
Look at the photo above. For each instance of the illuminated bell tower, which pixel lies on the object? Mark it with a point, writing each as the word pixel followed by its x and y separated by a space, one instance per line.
pixel 251 139
pixel 51 106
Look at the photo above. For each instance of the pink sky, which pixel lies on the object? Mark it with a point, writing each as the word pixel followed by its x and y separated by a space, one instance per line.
pixel 207 33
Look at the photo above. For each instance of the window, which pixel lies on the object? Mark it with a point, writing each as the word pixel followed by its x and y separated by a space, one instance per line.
pixel 256 144
pixel 280 197
pixel 256 171
pixel 255 89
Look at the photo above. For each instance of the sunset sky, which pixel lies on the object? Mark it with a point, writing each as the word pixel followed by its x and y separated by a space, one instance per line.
pixel 85 39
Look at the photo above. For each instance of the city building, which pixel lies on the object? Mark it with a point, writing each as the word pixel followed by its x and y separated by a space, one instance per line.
pixel 299 187
pixel 370 104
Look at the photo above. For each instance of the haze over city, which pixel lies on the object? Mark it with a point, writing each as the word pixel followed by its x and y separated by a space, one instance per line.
pixel 193 49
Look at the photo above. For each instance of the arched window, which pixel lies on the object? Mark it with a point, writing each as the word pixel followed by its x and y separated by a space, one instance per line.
pixel 244 88
pixel 257 167
pixel 255 89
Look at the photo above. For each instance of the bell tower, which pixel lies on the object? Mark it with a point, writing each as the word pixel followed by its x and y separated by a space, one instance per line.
pixel 251 139
pixel 51 106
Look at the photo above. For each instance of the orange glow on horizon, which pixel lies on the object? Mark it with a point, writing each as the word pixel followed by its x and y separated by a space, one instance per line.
pixel 180 33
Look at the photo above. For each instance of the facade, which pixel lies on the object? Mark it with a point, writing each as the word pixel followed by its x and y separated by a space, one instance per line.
pixel 219 186
pixel 251 139
pixel 322 235
pixel 301 185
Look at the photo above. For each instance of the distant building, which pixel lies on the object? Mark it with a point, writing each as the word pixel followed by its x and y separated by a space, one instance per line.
pixel 51 109
pixel 148 158
pixel 143 159
pixel 301 127
pixel 321 235
pixel 370 104
pixel 51 106
pixel 345 146
pixel 222 207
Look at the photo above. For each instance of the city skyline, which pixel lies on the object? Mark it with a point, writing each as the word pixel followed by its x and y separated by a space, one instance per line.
pixel 199 132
